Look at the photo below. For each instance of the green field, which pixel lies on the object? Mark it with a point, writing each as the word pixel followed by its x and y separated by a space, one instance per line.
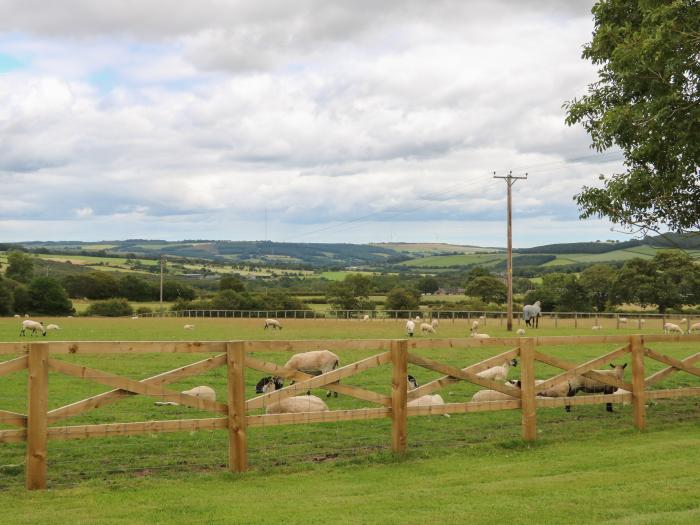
pixel 441 261
pixel 587 466
pixel 642 252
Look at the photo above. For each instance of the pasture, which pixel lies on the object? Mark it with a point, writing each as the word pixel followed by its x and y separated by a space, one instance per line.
pixel 468 464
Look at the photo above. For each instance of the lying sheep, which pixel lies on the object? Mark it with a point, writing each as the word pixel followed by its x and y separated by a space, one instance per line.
pixel 28 324
pixel 494 395
pixel 622 320
pixel 296 404
pixel 593 386
pixel 478 335
pixel 189 327
pixel 520 332
pixel 671 327
pixel 427 400
pixel 426 328
pixel 202 392
pixel 52 327
pixel 596 327
pixel 17 316
pixel 410 328
pixel 315 363
pixel 498 373
pixel 272 323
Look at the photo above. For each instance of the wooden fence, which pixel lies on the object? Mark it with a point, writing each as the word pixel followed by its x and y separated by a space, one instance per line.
pixel 39 424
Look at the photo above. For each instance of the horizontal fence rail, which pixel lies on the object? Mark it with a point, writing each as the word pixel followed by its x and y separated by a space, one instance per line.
pixel 40 425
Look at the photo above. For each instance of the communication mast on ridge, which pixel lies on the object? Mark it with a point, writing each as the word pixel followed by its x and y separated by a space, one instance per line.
pixel 510 180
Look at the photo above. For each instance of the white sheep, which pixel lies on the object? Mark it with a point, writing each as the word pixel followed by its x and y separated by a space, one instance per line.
pixel 592 386
pixel 498 373
pixel 671 327
pixel 315 363
pixel 17 316
pixel 694 326
pixel 477 335
pixel 202 392
pixel 28 324
pixel 622 320
pixel 134 316
pixel 272 323
pixel 53 327
pixel 493 395
pixel 296 405
pixel 520 332
pixel 410 328
pixel 418 318
pixel 434 323
pixel 596 327
pixel 188 327
pixel 427 400
pixel 620 392
pixel 365 317
pixel 426 328
pixel 475 325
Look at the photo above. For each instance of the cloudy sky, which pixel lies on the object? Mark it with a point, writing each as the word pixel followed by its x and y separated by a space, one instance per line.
pixel 344 121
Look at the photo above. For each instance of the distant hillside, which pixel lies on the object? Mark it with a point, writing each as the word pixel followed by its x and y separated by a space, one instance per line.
pixel 689 241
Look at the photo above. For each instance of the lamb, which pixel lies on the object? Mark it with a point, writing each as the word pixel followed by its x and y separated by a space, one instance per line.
pixel 427 400
pixel 434 323
pixel 316 362
pixel 272 323
pixel 592 386
pixel 202 392
pixel 410 328
pixel 531 314
pixel 189 327
pixel 498 373
pixel 694 326
pixel 296 404
pixel 426 328
pixel 520 332
pixel 670 327
pixel 28 324
pixel 53 327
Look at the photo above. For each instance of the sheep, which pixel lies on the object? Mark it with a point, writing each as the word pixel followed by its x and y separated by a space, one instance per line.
pixel 134 316
pixel 520 332
pixel 475 325
pixel 531 314
pixel 410 328
pixel 694 326
pixel 316 362
pixel 494 395
pixel 596 327
pixel 202 392
pixel 418 318
pixel 480 336
pixel 28 324
pixel 434 323
pixel 671 327
pixel 426 328
pixel 53 327
pixel 592 386
pixel 26 316
pixel 498 373
pixel 272 323
pixel 189 327
pixel 427 400
pixel 622 391
pixel 622 320
pixel 17 316
pixel 296 404
pixel 365 317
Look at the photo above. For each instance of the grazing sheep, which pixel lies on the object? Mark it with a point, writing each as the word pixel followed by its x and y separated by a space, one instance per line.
pixel 426 328
pixel 475 325
pixel 694 326
pixel 268 384
pixel 434 323
pixel 498 373
pixel 671 327
pixel 531 314
pixel 296 405
pixel 622 320
pixel 365 317
pixel 410 328
pixel 53 327
pixel 272 323
pixel 17 316
pixel 596 327
pixel 520 332
pixel 189 327
pixel 134 316
pixel 315 363
pixel 28 324
pixel 592 386
pixel 202 392
pixel 427 400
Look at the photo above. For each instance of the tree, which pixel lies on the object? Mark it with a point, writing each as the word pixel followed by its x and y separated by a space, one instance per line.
pixel 352 293
pixel 231 282
pixel 646 102
pixel 20 266
pixel 136 289
pixel 47 296
pixel 477 271
pixel 402 299
pixel 428 284
pixel 115 307
pixel 488 288
pixel 597 282
pixel 6 298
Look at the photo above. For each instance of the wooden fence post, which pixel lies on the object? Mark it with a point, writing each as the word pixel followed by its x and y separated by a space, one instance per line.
pixel 638 397
pixel 237 436
pixel 399 396
pixel 37 422
pixel 528 403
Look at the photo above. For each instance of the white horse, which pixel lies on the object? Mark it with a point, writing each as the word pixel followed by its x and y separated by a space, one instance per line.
pixel 531 314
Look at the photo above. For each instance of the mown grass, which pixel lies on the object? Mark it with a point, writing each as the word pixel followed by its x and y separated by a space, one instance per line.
pixel 587 466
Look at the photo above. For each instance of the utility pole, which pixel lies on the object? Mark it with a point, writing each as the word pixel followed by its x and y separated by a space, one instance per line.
pixel 162 266
pixel 510 180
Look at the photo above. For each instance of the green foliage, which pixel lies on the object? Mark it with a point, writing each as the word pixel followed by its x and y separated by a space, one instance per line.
pixel 597 282
pixel 136 289
pixel 428 284
pixel 402 299
pixel 646 102
pixel 94 285
pixel 6 298
pixel 352 293
pixel 488 288
pixel 560 292
pixel 20 297
pixel 47 296
pixel 231 282
pixel 115 307
pixel 20 266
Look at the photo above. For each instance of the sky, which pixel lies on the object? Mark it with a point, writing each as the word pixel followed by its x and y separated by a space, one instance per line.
pixel 307 121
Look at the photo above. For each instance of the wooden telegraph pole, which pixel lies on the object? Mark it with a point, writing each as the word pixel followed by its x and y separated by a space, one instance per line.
pixel 510 180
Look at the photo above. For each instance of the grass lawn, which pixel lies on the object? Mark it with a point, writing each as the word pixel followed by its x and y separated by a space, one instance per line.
pixel 587 466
